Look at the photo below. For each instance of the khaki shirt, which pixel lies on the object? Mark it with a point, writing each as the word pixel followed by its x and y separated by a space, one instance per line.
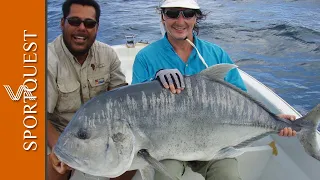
pixel 70 84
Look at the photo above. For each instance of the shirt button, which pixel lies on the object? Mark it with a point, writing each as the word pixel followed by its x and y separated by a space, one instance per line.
pixel 187 65
pixel 84 86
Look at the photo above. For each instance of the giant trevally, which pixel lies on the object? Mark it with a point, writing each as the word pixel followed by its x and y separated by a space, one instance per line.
pixel 209 119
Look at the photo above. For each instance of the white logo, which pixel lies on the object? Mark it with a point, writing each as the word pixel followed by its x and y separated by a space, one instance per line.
pixel 17 96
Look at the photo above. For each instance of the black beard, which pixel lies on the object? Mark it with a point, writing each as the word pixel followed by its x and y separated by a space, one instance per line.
pixel 76 53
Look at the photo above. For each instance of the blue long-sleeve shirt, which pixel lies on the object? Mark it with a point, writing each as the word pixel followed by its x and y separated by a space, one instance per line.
pixel 161 55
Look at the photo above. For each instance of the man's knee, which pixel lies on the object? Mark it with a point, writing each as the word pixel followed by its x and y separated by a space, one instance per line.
pixel 174 168
pixel 224 169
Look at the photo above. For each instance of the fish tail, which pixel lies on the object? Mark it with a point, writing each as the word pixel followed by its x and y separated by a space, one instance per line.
pixel 309 134
pixel 312 117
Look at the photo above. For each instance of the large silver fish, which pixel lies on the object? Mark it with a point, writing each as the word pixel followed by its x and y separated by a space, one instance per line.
pixel 209 119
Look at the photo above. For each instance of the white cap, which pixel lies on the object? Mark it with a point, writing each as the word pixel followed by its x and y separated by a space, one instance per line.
pixel 190 4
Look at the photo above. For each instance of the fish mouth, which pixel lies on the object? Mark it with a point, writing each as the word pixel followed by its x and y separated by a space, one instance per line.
pixel 79 164
pixel 68 159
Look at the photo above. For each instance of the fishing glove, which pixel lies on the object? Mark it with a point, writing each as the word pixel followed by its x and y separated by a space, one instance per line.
pixel 170 76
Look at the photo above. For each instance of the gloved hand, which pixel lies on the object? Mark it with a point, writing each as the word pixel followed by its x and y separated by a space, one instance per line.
pixel 171 78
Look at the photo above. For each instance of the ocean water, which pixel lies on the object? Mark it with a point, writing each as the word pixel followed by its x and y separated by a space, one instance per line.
pixel 275 41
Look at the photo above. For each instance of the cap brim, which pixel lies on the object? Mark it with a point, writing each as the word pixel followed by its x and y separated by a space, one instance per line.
pixel 178 5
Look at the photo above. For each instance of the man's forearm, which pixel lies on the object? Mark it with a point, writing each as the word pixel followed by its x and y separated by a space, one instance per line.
pixel 53 135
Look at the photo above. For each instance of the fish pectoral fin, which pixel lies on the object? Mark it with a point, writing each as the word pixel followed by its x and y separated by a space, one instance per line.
pixel 229 152
pixel 157 165
pixel 147 173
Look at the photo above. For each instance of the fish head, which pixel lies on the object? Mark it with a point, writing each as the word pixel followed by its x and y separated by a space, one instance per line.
pixel 99 150
pixel 310 141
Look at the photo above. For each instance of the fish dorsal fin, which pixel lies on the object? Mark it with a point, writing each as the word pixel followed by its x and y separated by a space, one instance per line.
pixel 218 71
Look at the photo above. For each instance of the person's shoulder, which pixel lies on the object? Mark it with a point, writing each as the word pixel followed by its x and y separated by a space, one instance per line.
pixel 151 48
pixel 52 59
pixel 103 49
pixel 55 47
pixel 56 40
pixel 51 53
pixel 101 45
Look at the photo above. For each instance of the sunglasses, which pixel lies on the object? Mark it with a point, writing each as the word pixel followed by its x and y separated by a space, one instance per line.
pixel 75 21
pixel 174 14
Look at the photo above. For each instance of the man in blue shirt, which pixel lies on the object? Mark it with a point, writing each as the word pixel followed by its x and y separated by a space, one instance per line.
pixel 179 53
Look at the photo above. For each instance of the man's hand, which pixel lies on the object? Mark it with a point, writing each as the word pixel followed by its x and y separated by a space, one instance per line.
pixel 287 131
pixel 171 78
pixel 59 166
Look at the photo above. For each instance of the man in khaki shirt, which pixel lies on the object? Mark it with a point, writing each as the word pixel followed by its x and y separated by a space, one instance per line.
pixel 79 68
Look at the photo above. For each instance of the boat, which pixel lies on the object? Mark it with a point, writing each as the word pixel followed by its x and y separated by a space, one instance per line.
pixel 272 157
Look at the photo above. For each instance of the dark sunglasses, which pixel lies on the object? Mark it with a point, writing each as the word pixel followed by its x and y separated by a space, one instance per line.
pixel 174 13
pixel 75 21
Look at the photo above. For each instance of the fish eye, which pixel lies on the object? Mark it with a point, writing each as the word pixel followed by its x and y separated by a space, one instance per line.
pixel 83 134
